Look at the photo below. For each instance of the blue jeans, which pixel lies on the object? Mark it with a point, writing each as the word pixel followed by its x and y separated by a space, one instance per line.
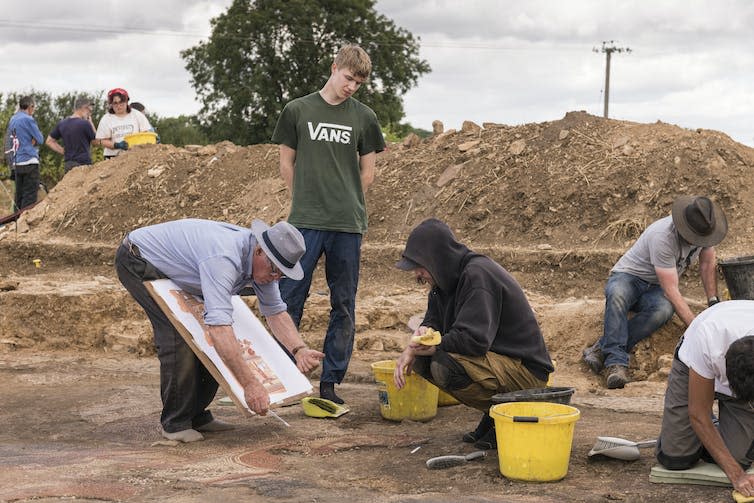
pixel 342 252
pixel 623 293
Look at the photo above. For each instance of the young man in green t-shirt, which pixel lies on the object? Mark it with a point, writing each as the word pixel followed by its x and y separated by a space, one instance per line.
pixel 328 147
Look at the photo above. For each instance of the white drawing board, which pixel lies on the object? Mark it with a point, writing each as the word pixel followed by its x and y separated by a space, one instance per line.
pixel 266 359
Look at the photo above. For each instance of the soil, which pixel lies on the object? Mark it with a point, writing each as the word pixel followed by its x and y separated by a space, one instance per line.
pixel 556 203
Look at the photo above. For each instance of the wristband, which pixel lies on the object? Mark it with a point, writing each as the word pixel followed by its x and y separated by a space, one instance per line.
pixel 712 301
pixel 297 349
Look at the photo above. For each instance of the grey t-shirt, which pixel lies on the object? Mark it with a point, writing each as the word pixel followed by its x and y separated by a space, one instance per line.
pixel 661 246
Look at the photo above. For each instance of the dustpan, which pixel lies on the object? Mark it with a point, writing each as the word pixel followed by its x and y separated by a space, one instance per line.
pixel 619 448
pixel 320 407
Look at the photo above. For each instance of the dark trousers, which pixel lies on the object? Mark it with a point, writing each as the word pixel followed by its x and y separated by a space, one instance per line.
pixel 342 252
pixel 186 387
pixel 27 185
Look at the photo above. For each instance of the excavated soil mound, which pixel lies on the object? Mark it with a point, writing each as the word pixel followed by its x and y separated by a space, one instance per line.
pixel 555 202
pixel 579 182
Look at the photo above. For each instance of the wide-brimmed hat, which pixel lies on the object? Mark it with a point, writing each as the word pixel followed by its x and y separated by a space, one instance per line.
pixel 283 244
pixel 699 220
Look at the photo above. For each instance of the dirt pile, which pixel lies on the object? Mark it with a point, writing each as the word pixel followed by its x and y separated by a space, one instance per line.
pixel 555 202
pixel 573 183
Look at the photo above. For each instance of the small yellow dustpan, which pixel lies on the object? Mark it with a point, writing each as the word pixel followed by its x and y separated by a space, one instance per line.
pixel 320 407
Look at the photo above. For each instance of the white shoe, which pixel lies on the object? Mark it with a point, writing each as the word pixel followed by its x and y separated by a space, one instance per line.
pixel 186 436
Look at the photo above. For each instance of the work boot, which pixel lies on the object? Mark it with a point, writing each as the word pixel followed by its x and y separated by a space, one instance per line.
pixel 186 436
pixel 594 358
pixel 484 426
pixel 617 376
pixel 488 440
pixel 327 391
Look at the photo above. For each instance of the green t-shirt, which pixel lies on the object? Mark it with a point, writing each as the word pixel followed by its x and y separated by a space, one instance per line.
pixel 328 140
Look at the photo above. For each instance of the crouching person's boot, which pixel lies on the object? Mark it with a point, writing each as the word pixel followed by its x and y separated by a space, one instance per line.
pixel 617 376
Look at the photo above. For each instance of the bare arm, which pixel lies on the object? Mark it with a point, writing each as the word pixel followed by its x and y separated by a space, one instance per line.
pixel 701 397
pixel 287 165
pixel 54 146
pixel 366 164
pixel 668 278
pixel 285 331
pixel 708 271
pixel 226 345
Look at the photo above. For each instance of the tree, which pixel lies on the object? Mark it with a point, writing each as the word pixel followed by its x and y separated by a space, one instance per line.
pixel 263 53
pixel 179 131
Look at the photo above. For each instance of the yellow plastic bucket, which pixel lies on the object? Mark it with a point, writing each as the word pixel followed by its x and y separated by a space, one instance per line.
pixel 141 138
pixel 534 439
pixel 444 399
pixel 416 401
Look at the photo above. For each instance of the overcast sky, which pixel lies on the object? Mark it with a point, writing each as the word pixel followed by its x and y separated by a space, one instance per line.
pixel 509 62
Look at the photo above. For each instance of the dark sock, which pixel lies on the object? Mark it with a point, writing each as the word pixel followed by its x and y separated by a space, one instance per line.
pixel 327 391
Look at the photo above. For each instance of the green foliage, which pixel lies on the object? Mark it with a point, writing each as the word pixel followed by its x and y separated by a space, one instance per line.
pixel 263 53
pixel 180 131
pixel 397 132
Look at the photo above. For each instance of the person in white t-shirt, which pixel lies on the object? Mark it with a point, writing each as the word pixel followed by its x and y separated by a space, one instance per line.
pixel 714 361
pixel 121 120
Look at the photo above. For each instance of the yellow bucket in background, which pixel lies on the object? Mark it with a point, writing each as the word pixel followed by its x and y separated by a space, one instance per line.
pixel 445 399
pixel 534 439
pixel 416 401
pixel 143 138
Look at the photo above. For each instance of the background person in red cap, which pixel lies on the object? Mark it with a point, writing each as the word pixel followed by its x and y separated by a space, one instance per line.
pixel 645 282
pixel 119 121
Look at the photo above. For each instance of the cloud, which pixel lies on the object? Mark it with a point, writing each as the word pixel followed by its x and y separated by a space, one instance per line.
pixel 513 61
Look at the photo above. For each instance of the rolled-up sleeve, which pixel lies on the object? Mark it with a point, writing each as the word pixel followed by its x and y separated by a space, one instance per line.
pixel 217 276
pixel 270 302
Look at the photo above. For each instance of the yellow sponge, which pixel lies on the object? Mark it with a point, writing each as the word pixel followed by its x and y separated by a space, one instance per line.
pixel 431 337
pixel 740 498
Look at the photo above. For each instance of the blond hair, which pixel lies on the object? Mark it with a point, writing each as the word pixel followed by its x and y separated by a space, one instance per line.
pixel 354 58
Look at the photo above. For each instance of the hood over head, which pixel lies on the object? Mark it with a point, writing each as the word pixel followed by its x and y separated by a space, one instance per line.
pixel 433 246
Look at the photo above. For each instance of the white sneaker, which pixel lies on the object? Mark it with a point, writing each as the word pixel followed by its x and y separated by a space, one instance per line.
pixel 186 436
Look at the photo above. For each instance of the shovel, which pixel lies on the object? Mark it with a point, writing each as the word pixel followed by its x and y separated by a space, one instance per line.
pixel 620 448
pixel 441 462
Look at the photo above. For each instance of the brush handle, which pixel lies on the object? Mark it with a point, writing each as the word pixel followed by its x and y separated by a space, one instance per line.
pixel 647 443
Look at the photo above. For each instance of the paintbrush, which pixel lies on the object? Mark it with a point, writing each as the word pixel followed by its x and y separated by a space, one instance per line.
pixel 278 418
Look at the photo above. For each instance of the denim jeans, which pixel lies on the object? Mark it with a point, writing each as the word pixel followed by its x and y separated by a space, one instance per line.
pixel 342 252
pixel 186 386
pixel 623 293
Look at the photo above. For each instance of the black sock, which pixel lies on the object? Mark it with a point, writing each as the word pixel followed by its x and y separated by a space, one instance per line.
pixel 327 391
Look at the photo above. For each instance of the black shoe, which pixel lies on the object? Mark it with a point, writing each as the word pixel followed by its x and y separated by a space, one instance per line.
pixel 594 358
pixel 485 425
pixel 327 391
pixel 488 441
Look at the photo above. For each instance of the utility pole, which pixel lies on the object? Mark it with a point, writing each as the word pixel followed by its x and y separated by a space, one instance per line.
pixel 608 47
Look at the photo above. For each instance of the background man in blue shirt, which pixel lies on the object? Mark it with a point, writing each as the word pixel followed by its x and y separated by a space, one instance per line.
pixel 215 260
pixel 23 125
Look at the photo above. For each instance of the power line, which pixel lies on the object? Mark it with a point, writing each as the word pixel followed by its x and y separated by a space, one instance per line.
pixel 170 33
